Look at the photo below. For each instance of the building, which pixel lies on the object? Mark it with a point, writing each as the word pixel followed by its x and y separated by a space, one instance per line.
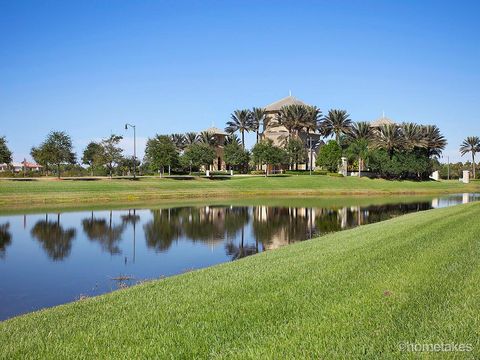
pixel 219 136
pixel 278 133
pixel 25 166
pixel 382 121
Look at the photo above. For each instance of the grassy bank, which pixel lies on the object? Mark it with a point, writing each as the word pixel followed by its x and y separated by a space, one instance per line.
pixel 44 192
pixel 360 293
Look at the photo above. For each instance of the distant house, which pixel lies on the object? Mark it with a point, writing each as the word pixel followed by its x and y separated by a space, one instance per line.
pixel 3 167
pixel 25 165
pixel 278 133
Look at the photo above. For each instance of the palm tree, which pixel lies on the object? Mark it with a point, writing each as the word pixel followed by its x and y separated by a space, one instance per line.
pixel 312 119
pixel 413 136
pixel 191 138
pixel 471 145
pixel 336 122
pixel 241 122
pixel 435 142
pixel 257 120
pixel 359 138
pixel 293 118
pixel 389 138
pixel 179 140
pixel 232 139
pixel 208 138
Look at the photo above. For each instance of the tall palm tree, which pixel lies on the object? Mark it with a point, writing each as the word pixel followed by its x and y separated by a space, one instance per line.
pixel 191 138
pixel 389 138
pixel 208 138
pixel 241 122
pixel 413 136
pixel 360 131
pixel 293 118
pixel 435 142
pixel 312 119
pixel 179 140
pixel 337 123
pixel 471 145
pixel 359 139
pixel 257 120
pixel 232 139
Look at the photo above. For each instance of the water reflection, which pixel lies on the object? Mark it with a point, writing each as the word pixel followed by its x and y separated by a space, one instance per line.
pixel 5 238
pixel 55 240
pixel 104 232
pixel 161 242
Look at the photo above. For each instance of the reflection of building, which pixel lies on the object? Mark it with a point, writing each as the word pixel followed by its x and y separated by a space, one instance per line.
pixel 219 136
pixel 278 133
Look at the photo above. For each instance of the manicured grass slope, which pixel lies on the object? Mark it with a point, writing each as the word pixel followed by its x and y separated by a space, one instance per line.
pixel 111 191
pixel 357 293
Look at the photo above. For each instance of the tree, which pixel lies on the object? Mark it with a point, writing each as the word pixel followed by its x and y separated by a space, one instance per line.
pixel 329 156
pixel 337 123
pixel 266 153
pixel 293 118
pixel 111 154
pixel 160 152
pixel 127 164
pixel 5 153
pixel 180 141
pixel 413 136
pixel 471 145
pixel 258 118
pixel 435 142
pixel 358 139
pixel 241 121
pixel 389 138
pixel 207 138
pixel 56 150
pixel 235 155
pixel 296 152
pixel 190 138
pixel 199 154
pixel 91 155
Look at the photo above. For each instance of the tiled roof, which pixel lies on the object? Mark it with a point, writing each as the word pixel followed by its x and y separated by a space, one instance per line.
pixel 289 100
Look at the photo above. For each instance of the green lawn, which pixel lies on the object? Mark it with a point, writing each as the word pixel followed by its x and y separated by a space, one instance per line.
pixel 353 294
pixel 42 192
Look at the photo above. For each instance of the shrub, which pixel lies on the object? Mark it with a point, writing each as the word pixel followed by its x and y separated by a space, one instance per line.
pixel 335 174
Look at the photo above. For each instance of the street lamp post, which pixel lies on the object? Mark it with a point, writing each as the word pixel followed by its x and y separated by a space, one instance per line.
pixel 134 148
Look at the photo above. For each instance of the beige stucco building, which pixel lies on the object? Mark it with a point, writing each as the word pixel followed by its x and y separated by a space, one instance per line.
pixel 278 133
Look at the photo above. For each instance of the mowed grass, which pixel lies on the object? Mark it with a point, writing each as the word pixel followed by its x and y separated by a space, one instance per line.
pixel 360 293
pixel 50 191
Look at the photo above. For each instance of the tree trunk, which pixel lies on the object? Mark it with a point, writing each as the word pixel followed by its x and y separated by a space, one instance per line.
pixel 360 167
pixel 58 170
pixel 473 161
pixel 243 139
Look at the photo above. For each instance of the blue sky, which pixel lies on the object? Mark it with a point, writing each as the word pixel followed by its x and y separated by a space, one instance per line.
pixel 87 67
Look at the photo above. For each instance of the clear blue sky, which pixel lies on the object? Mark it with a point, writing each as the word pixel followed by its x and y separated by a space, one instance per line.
pixel 87 67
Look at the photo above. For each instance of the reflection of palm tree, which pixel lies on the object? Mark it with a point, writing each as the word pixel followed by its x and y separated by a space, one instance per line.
pixel 105 233
pixel 163 229
pixel 56 241
pixel 5 238
pixel 240 251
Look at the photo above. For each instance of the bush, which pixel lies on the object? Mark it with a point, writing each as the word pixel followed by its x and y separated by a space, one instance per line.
pixel 335 174
pixel 257 172
pixel 320 172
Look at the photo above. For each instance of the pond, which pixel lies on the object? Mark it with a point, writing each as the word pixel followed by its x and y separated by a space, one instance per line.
pixel 51 258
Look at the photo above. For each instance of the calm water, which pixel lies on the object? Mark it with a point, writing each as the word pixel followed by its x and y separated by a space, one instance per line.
pixel 52 258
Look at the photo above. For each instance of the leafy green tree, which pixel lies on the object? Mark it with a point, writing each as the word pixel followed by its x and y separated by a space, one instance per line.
pixel 5 153
pixel 358 150
pixel 329 156
pixel 91 154
pixel 56 150
pixel 127 164
pixel 266 153
pixel 236 156
pixel 296 152
pixel 199 154
pixel 161 152
pixel 241 121
pixel 111 154
pixel 471 145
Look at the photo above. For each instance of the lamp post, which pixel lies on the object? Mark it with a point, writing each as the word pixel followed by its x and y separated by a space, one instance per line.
pixel 134 149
